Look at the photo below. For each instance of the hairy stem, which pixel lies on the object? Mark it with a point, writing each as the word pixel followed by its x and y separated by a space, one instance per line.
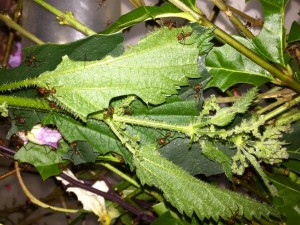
pixel 14 101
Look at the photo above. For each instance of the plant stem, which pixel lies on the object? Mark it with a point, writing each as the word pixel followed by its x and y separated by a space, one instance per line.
pixel 154 124
pixel 287 80
pixel 14 101
pixel 254 22
pixel 282 108
pixel 234 20
pixel 66 18
pixel 11 35
pixel 121 174
pixel 9 22
pixel 35 200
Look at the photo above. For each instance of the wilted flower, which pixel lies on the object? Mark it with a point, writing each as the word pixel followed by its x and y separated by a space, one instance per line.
pixel 90 201
pixel 41 135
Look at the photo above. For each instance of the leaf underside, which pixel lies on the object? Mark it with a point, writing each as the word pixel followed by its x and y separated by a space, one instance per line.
pixel 152 70
pixel 190 195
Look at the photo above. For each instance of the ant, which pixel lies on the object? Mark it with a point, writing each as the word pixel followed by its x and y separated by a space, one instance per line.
pixel 20 120
pixel 182 36
pixel 45 92
pixel 16 142
pixel 234 216
pixel 163 140
pixel 52 104
pixel 169 24
pixel 31 61
pixel 197 90
pixel 127 111
pixel 110 111
pixel 74 149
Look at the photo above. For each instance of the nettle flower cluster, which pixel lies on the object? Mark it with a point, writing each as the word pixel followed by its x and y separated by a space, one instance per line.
pixel 253 139
pixel 262 142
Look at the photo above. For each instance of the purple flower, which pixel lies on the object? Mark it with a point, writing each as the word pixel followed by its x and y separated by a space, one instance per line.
pixel 15 58
pixel 44 136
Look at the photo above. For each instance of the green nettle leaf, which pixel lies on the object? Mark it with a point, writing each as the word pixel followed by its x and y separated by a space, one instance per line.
pixel 48 56
pixel 270 42
pixel 152 70
pixel 225 115
pixel 98 137
pixel 229 67
pixel 190 158
pixel 190 195
pixel 43 158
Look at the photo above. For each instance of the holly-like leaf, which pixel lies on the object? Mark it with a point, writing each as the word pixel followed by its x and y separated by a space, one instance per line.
pixel 43 158
pixel 229 67
pixel 190 195
pixel 273 31
pixel 289 194
pixel 294 32
pixel 152 70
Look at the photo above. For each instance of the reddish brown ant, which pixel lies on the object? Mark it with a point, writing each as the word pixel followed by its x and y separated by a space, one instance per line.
pixel 45 92
pixel 52 104
pixel 234 217
pixel 182 36
pixel 110 111
pixel 16 142
pixel 163 140
pixel 169 24
pixel 31 61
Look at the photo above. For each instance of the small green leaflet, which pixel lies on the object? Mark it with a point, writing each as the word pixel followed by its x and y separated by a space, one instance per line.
pixel 152 70
pixel 190 195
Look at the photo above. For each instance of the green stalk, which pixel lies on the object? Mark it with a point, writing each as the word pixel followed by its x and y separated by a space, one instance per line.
pixel 287 80
pixel 9 22
pixel 189 130
pixel 14 101
pixel 233 19
pixel 121 174
pixel 282 108
pixel 66 18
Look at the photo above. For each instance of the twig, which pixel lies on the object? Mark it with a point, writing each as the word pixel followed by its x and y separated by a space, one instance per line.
pixel 66 18
pixel 233 19
pixel 12 34
pixel 35 200
pixel 9 22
